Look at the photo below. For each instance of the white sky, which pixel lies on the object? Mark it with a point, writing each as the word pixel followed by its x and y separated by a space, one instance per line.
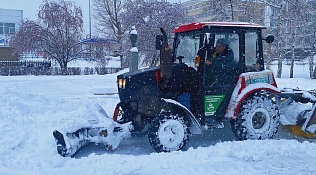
pixel 31 7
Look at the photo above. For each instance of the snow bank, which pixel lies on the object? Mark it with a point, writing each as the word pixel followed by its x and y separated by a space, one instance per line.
pixel 300 70
pixel 248 157
pixel 82 63
pixel 32 107
pixel 27 118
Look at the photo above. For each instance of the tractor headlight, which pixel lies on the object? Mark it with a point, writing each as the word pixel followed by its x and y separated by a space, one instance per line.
pixel 121 83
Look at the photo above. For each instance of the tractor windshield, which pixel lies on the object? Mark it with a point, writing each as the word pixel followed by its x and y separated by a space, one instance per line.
pixel 222 59
pixel 187 45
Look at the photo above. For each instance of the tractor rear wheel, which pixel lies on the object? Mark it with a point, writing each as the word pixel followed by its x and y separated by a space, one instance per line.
pixel 168 132
pixel 257 118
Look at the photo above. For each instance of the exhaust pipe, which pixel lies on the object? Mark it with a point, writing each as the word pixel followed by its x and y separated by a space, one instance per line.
pixel 165 58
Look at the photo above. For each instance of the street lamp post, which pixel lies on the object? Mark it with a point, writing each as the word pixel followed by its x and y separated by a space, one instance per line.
pixel 90 27
pixel 90 18
pixel 133 61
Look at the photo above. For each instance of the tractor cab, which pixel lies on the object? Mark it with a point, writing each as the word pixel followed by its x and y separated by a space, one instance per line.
pixel 218 52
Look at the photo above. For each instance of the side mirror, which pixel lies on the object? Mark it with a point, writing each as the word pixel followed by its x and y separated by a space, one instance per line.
pixel 269 38
pixel 159 42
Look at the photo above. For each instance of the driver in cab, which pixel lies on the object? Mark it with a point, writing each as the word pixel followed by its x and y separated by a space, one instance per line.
pixel 223 57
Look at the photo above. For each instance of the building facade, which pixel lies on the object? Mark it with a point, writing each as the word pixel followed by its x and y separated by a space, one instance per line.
pixel 225 10
pixel 9 21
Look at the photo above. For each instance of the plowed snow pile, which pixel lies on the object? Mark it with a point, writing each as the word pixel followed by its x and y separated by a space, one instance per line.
pixel 32 107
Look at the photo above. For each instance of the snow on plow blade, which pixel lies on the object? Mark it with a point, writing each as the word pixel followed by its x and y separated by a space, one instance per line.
pixel 107 132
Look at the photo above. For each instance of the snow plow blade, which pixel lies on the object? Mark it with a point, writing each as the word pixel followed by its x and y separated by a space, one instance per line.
pixel 310 124
pixel 297 130
pixel 299 118
pixel 68 144
pixel 101 130
pixel 308 129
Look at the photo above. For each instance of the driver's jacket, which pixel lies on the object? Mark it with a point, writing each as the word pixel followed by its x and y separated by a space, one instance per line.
pixel 223 60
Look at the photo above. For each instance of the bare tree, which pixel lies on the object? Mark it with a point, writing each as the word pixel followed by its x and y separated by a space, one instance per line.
pixel 220 10
pixel 313 54
pixel 56 33
pixel 148 17
pixel 280 35
pixel 293 24
pixel 108 20
pixel 294 31
pixel 310 33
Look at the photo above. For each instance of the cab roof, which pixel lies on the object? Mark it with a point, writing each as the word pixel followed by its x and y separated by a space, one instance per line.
pixel 199 25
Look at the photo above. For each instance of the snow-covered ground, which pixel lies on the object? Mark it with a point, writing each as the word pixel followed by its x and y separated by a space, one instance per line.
pixel 82 63
pixel 110 61
pixel 31 107
pixel 300 70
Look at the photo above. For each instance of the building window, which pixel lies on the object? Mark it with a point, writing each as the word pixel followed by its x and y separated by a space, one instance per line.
pixel 1 28
pixel 12 31
pixel 7 28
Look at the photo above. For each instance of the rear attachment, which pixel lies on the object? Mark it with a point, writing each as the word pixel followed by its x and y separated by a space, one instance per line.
pixel 298 112
pixel 310 124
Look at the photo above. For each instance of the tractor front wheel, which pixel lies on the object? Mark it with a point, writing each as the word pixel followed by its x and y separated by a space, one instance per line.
pixel 168 132
pixel 257 118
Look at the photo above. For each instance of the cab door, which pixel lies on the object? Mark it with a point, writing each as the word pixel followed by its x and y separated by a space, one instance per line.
pixel 219 79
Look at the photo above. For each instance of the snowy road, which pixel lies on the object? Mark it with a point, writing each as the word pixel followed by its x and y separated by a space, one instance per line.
pixel 32 107
pixel 138 143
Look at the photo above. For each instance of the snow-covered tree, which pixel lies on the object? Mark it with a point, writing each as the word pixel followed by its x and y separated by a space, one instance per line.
pixel 148 17
pixel 56 33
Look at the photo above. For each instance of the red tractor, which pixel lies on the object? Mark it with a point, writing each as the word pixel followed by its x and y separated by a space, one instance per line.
pixel 187 93
pixel 214 74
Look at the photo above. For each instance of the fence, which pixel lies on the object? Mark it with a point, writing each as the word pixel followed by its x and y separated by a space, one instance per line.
pixel 21 70
pixel 25 64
